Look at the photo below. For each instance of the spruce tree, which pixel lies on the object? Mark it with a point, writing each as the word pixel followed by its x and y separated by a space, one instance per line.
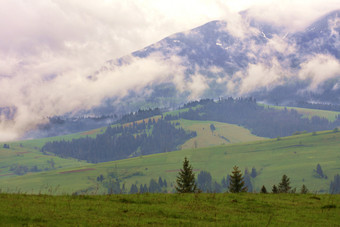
pixel 204 181
pixel 145 189
pixel 319 170
pixel 253 172
pixel 304 189
pixel 186 179
pixel 160 182
pixel 133 189
pixel 335 185
pixel 274 189
pixel 264 190
pixel 284 185
pixel 141 189
pixel 236 181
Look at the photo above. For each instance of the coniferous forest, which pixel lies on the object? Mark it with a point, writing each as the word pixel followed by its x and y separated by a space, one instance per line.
pixel 260 120
pixel 119 142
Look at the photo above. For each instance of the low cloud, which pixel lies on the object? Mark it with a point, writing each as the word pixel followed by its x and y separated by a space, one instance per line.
pixel 197 85
pixel 73 90
pixel 261 76
pixel 319 69
pixel 50 49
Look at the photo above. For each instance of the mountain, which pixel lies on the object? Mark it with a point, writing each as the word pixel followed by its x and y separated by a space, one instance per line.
pixel 263 61
pixel 241 58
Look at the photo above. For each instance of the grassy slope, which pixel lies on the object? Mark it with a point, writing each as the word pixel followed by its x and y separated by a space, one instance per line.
pixel 27 152
pixel 30 157
pixel 295 156
pixel 224 134
pixel 170 210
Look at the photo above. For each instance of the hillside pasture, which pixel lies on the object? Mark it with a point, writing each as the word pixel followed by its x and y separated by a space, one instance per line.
pixel 295 156
pixel 223 134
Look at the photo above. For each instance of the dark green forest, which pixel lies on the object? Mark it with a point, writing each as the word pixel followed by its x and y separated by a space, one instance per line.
pixel 120 142
pixel 260 120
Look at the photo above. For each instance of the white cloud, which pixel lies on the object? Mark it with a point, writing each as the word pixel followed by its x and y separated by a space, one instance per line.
pixel 73 90
pixel 319 69
pixel 262 76
pixel 197 85
pixel 49 47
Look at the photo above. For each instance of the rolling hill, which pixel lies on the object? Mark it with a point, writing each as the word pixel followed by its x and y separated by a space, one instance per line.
pixel 295 156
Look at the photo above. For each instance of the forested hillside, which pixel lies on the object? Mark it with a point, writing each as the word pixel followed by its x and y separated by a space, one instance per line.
pixel 119 142
pixel 260 120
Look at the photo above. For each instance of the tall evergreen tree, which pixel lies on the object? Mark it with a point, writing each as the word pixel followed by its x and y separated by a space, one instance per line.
pixel 319 170
pixel 236 181
pixel 304 189
pixel 154 186
pixel 224 183
pixel 284 185
pixel 264 190
pixel 253 172
pixel 335 185
pixel 274 189
pixel 186 179
pixel 160 182
pixel 141 189
pixel 247 182
pixel 145 189
pixel 217 188
pixel 133 189
pixel 204 181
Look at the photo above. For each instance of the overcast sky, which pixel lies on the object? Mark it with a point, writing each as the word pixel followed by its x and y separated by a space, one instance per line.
pixel 48 47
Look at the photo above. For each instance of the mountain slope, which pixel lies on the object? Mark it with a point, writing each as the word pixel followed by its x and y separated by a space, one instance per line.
pixel 263 60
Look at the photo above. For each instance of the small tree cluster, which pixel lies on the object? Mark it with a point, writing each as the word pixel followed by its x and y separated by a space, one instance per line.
pixel 154 187
pixel 205 183
pixel 283 187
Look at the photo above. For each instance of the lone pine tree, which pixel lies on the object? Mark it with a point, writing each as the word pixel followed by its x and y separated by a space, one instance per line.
pixel 186 179
pixel 284 185
pixel 319 171
pixel 236 181
pixel 274 189
pixel 263 189
pixel 304 189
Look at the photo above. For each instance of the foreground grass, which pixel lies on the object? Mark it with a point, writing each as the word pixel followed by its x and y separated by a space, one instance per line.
pixel 171 209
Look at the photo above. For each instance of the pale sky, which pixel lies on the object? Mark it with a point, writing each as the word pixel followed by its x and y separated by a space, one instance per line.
pixel 49 47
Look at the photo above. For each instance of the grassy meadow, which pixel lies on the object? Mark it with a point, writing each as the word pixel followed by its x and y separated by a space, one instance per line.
pixel 203 209
pixel 295 156
pixel 224 134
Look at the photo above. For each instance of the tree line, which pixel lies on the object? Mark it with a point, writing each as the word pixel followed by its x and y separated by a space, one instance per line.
pixel 120 142
pixel 261 120
pixel 186 182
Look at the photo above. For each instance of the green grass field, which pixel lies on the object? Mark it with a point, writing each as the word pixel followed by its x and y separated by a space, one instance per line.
pixel 295 156
pixel 30 157
pixel 243 209
pixel 224 134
